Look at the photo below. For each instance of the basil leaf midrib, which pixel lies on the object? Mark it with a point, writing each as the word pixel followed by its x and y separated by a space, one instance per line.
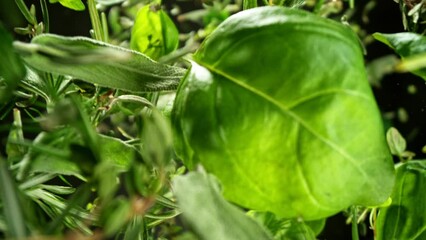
pixel 286 111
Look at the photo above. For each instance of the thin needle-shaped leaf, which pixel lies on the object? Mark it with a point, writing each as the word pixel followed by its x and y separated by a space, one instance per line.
pixel 12 210
pixel 99 63
pixel 27 14
pixel 45 13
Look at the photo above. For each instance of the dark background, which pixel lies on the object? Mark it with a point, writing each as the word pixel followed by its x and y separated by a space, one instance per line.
pixel 392 95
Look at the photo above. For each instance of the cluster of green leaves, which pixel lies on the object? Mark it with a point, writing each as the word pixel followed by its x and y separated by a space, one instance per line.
pixel 293 145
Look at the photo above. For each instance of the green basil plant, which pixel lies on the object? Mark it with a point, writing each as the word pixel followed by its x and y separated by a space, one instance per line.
pixel 277 106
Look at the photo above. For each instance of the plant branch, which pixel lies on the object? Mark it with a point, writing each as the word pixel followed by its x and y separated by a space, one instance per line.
pixel 26 12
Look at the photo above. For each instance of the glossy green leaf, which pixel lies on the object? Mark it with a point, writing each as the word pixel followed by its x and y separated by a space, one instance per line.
pixel 99 63
pixel 208 214
pixel 405 218
pixel 411 47
pixel 287 123
pixel 154 33
pixel 12 71
pixel 77 5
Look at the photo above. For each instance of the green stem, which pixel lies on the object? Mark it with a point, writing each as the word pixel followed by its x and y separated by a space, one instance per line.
pixel 94 18
pixel 104 27
pixel 45 14
pixel 26 12
pixel 247 4
pixel 354 213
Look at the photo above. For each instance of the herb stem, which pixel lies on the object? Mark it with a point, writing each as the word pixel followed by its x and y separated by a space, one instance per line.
pixel 94 18
pixel 354 213
pixel 104 27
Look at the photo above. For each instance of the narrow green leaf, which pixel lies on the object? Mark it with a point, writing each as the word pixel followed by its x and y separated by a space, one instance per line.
pixel 45 14
pixel 79 198
pixel 99 63
pixel 12 70
pixel 26 12
pixel 208 214
pixel 12 210
pixel 154 33
pixel 411 47
pixel 135 230
pixel 405 218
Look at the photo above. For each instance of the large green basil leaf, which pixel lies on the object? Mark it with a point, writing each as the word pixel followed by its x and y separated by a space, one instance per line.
pixel 208 214
pixel 405 218
pixel 407 45
pixel 278 107
pixel 154 33
pixel 100 63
